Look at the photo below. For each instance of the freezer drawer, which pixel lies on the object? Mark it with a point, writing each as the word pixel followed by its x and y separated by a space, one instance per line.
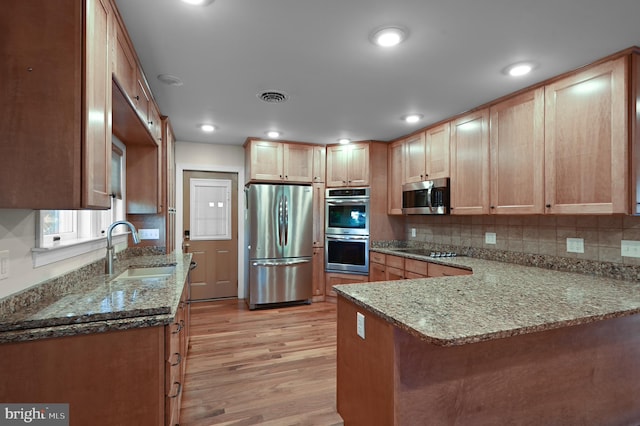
pixel 279 281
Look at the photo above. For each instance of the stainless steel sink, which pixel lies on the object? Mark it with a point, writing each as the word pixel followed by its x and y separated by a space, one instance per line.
pixel 149 272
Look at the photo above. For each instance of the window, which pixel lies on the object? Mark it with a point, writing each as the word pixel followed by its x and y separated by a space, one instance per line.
pixel 70 227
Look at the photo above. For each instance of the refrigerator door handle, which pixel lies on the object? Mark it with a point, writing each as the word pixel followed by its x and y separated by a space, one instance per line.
pixel 286 220
pixel 279 263
pixel 280 222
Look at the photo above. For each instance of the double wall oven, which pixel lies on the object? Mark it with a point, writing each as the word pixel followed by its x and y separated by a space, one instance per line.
pixel 347 230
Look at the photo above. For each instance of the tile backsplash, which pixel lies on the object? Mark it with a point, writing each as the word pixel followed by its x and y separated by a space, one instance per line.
pixel 544 235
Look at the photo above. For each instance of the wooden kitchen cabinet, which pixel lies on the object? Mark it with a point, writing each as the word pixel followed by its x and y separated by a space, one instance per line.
pixel 335 278
pixel 415 152
pixel 470 164
pixel 415 268
pixel 169 184
pixel 318 214
pixel 377 266
pixel 348 165
pixel 268 161
pixel 427 154
pixel 318 274
pixel 120 377
pixel 517 154
pixel 319 163
pixel 437 270
pixel 396 167
pixel 56 120
pixel 586 141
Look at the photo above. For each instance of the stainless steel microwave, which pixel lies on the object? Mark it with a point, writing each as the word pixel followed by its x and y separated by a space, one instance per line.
pixel 426 197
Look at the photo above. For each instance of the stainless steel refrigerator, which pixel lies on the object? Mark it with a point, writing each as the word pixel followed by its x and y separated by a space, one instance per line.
pixel 280 244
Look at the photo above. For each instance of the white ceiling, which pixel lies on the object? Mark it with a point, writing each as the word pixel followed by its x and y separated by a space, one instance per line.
pixel 341 85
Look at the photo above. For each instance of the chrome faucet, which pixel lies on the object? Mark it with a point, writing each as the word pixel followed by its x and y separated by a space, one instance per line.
pixel 110 249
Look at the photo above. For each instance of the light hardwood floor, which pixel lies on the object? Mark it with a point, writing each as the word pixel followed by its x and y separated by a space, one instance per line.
pixel 271 366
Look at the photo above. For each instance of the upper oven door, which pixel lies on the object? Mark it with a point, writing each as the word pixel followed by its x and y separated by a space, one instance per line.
pixel 347 217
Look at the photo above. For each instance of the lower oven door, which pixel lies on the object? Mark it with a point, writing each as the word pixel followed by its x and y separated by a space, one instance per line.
pixel 348 254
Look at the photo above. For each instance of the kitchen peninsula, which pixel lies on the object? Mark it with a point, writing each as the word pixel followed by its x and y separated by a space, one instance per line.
pixel 507 344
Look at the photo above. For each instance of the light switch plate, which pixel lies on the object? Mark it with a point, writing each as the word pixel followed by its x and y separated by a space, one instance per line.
pixel 630 248
pixel 489 237
pixel 575 245
pixel 4 264
pixel 149 234
pixel 360 324
pixel 413 232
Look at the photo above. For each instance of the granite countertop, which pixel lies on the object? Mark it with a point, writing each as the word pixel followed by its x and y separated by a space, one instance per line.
pixel 498 300
pixel 98 303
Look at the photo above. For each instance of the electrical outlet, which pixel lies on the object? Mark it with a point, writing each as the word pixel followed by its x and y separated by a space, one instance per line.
pixel 575 245
pixel 4 264
pixel 360 324
pixel 149 234
pixel 489 237
pixel 630 248
pixel 413 232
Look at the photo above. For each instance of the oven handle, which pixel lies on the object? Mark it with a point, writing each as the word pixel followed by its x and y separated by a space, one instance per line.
pixel 347 237
pixel 354 202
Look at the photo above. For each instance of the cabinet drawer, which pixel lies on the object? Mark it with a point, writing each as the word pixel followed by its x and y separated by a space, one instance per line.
pixel 436 270
pixel 412 275
pixel 395 262
pixel 394 273
pixel 416 266
pixel 376 257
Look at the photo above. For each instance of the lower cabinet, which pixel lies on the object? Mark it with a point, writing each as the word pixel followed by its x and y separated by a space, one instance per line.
pixel 120 377
pixel 387 267
pixel 318 275
pixel 437 270
pixel 333 278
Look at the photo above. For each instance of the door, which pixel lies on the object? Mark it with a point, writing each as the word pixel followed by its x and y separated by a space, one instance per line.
pixel 298 221
pixel 211 232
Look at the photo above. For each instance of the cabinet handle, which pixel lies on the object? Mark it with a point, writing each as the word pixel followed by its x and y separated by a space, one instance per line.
pixel 150 123
pixel 179 329
pixel 137 98
pixel 286 176
pixel 493 207
pixel 280 176
pixel 178 391
pixel 173 364
pixel 548 206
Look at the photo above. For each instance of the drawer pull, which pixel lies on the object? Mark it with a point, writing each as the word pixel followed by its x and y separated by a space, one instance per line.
pixel 179 359
pixel 179 329
pixel 177 391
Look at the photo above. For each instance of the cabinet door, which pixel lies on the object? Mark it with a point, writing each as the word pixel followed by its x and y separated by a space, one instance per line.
pixel 415 149
pixel 332 279
pixel 266 161
pixel 470 164
pixel 394 273
pixel 318 214
pixel 436 270
pixel 517 154
pixel 99 39
pixel 298 163
pixel 318 272
pixel 319 163
pixel 337 160
pixel 142 99
pixel 358 166
pixel 396 158
pixel 586 141
pixel 377 272
pixel 437 141
pixel 126 68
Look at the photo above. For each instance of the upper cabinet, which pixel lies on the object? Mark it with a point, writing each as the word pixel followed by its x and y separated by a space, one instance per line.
pixel 470 164
pixel 55 121
pixel 517 154
pixel 427 154
pixel 319 163
pixel 586 141
pixel 279 161
pixel 396 158
pixel 348 165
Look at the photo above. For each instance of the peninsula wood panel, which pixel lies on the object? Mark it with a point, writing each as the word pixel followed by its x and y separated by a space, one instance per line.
pixel 517 154
pixel 586 141
pixel 470 164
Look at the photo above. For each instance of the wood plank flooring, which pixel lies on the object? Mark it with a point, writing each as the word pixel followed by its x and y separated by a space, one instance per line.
pixel 271 367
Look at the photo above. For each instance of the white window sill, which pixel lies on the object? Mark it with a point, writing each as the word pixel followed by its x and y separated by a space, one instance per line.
pixel 46 255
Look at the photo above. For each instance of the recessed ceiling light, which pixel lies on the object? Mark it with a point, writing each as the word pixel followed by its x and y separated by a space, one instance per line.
pixel 207 128
pixel 388 36
pixel 412 118
pixel 519 69
pixel 273 134
pixel 198 2
pixel 344 141
pixel 170 80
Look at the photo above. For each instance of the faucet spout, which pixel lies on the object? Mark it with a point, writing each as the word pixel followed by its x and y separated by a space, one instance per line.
pixel 110 248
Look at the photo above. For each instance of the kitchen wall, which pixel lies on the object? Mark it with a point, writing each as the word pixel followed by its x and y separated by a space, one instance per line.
pixel 532 234
pixel 18 235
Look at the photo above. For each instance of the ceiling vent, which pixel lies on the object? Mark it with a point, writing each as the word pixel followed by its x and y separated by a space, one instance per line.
pixel 273 96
